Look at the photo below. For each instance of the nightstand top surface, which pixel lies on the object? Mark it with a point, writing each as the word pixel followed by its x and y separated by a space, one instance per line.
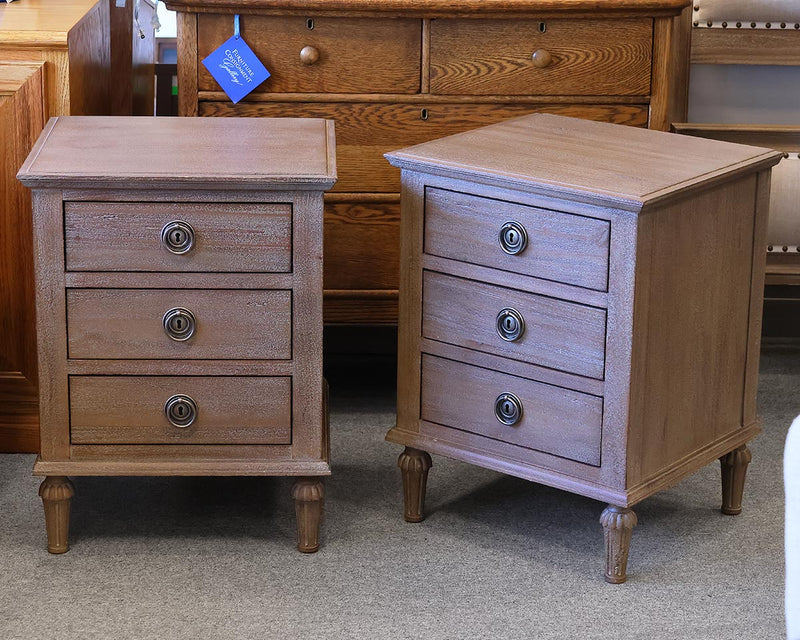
pixel 219 153
pixel 612 165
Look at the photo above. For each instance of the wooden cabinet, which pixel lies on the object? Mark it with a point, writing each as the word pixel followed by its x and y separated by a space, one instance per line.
pixel 397 72
pixel 179 302
pixel 580 305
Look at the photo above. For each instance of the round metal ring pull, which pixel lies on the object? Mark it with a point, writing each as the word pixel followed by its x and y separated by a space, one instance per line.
pixel 179 324
pixel 513 238
pixel 181 411
pixel 510 324
pixel 177 237
pixel 508 409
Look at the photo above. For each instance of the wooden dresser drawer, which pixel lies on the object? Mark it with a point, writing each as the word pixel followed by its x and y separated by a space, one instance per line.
pixel 132 410
pixel 560 246
pixel 129 324
pixel 554 333
pixel 529 57
pixel 353 55
pixel 114 236
pixel 554 420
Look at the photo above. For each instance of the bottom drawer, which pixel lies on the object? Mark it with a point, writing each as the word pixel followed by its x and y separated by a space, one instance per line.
pixel 225 410
pixel 551 419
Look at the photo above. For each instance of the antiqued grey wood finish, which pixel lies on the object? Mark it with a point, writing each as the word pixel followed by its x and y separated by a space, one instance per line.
pixel 243 393
pixel 632 370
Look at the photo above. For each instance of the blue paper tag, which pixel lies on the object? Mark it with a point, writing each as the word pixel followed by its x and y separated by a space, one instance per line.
pixel 236 68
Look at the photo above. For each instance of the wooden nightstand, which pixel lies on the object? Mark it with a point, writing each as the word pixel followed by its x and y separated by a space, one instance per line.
pixel 581 306
pixel 179 302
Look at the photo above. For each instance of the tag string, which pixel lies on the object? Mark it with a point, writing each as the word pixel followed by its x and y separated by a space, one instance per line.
pixel 236 26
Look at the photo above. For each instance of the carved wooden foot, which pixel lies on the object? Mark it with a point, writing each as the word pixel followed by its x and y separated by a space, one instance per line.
pixel 734 470
pixel 618 524
pixel 308 494
pixel 56 493
pixel 414 465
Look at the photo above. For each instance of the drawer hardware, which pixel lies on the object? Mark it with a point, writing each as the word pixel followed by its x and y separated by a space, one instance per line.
pixel 510 324
pixel 310 24
pixel 179 324
pixel 423 114
pixel 542 27
pixel 181 411
pixel 309 55
pixel 541 58
pixel 513 238
pixel 177 237
pixel 508 409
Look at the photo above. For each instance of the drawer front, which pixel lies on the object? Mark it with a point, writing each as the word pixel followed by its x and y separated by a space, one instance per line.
pixel 558 421
pixel 112 236
pixel 327 55
pixel 529 57
pixel 129 324
pixel 364 132
pixel 133 410
pixel 545 331
pixel 560 246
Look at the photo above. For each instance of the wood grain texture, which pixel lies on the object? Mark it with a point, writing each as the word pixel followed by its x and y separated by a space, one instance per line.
pixel 132 59
pixel 127 324
pixel 111 236
pixel 589 57
pixel 356 55
pixel 663 44
pixel 187 64
pixel 90 77
pixel 19 414
pixel 308 495
pixel 745 46
pixel 414 466
pixel 56 493
pixel 130 410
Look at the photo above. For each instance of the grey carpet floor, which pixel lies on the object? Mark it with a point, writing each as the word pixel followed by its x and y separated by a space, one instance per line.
pixel 498 557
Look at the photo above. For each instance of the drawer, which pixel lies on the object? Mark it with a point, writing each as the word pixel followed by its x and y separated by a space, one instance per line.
pixel 545 331
pixel 129 324
pixel 560 246
pixel 113 236
pixel 340 55
pixel 364 132
pixel 558 421
pixel 133 410
pixel 530 57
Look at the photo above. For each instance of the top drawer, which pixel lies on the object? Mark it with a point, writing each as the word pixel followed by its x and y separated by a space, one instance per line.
pixel 560 246
pixel 115 236
pixel 339 55
pixel 529 57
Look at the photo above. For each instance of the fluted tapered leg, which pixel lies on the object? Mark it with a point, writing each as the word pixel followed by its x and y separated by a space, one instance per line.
pixel 414 465
pixel 734 470
pixel 618 524
pixel 56 493
pixel 308 494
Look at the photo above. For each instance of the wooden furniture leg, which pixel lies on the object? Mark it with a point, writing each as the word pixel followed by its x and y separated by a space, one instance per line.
pixel 308 494
pixel 56 493
pixel 618 524
pixel 734 470
pixel 414 465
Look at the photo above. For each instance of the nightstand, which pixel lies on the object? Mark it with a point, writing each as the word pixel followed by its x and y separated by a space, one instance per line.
pixel 581 307
pixel 179 303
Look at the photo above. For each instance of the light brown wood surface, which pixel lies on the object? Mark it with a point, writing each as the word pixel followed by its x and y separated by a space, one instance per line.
pixel 746 46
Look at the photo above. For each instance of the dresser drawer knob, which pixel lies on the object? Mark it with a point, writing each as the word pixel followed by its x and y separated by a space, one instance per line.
pixel 179 324
pixel 181 411
pixel 309 55
pixel 510 324
pixel 513 238
pixel 508 409
pixel 541 58
pixel 177 237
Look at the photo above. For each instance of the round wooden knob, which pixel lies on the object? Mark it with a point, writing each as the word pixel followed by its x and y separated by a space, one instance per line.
pixel 309 55
pixel 541 58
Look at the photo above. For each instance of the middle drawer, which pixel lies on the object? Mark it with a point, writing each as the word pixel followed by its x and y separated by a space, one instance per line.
pixel 221 324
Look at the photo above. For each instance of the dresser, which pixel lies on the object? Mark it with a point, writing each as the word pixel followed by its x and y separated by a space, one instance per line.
pixel 553 322
pixel 179 303
pixel 399 72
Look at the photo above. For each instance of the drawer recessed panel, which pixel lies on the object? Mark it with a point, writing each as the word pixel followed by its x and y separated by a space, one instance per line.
pixel 537 329
pixel 557 246
pixel 136 410
pixel 532 57
pixel 179 323
pixel 115 236
pixel 510 409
